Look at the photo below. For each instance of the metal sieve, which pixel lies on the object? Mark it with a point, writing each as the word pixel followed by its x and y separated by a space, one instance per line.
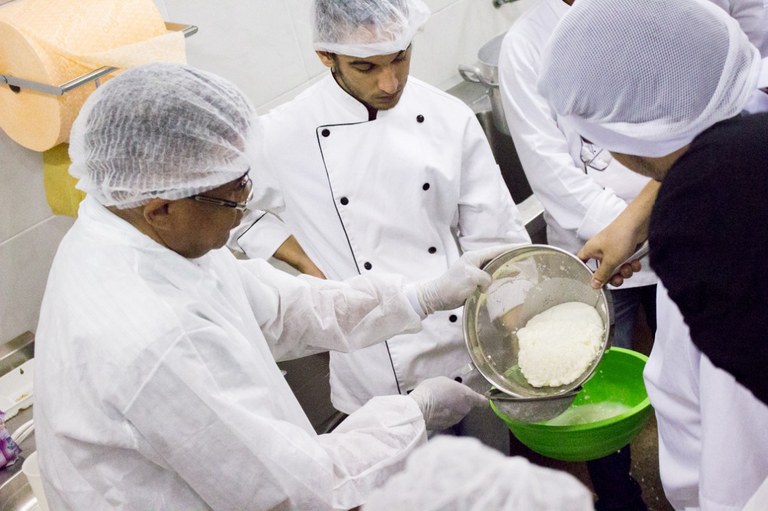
pixel 526 281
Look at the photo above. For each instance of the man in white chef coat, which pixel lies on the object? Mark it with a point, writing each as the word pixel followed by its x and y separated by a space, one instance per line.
pixel 155 382
pixel 664 86
pixel 376 171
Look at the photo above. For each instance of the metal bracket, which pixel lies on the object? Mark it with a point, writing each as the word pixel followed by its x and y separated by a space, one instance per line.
pixel 17 84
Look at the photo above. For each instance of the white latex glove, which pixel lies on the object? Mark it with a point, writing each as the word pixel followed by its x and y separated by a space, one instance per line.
pixel 444 402
pixel 452 288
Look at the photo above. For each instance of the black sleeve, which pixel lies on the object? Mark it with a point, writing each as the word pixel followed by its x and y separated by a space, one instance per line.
pixel 709 246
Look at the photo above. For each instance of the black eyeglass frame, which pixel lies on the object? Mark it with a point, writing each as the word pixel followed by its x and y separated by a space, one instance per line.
pixel 239 206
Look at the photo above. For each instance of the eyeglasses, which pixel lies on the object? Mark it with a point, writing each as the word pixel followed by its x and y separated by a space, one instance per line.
pixel 593 156
pixel 244 184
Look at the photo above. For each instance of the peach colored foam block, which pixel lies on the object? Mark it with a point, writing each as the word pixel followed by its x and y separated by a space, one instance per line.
pixel 55 41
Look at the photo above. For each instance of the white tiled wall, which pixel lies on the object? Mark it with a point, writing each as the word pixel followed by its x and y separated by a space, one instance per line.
pixel 29 235
pixel 264 46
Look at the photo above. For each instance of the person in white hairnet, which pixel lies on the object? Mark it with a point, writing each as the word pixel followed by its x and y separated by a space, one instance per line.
pixel 462 474
pixel 582 189
pixel 376 171
pixel 156 385
pixel 663 86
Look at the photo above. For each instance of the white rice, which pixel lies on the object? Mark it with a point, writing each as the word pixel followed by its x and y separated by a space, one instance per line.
pixel 559 344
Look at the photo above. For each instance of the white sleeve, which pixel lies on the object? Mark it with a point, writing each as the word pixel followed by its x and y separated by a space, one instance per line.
pixel 364 456
pixel 575 200
pixel 259 235
pixel 217 413
pixel 301 315
pixel 261 231
pixel 752 16
pixel 487 214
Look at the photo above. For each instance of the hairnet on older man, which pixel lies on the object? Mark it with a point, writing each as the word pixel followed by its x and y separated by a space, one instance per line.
pixel 123 158
pixel 462 474
pixel 363 28
pixel 657 100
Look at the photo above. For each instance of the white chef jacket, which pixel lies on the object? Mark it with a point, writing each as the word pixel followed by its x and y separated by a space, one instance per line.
pixel 578 203
pixel 389 195
pixel 155 387
pixel 713 447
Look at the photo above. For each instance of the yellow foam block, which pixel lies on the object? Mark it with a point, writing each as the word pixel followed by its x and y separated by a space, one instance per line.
pixel 63 197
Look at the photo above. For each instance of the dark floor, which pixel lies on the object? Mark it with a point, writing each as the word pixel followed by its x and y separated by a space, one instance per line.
pixel 645 458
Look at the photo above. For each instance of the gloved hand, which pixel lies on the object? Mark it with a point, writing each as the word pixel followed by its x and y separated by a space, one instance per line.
pixel 444 402
pixel 451 289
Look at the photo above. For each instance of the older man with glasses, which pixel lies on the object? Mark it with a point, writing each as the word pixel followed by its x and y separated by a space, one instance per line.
pixel 244 187
pixel 155 382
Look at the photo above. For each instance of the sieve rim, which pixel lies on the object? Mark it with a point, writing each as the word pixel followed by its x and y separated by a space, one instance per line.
pixel 499 380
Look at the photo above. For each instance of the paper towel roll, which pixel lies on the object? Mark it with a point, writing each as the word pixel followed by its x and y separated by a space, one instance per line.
pixel 55 41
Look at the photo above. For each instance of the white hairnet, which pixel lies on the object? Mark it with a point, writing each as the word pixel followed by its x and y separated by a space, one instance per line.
pixel 363 28
pixel 645 77
pixel 462 474
pixel 161 131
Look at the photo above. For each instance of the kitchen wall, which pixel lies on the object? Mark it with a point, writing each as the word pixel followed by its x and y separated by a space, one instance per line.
pixel 264 46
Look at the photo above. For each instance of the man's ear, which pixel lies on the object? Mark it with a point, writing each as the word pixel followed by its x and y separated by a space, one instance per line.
pixel 159 214
pixel 326 58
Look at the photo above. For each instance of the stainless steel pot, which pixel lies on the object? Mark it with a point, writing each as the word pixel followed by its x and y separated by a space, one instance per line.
pixel 486 72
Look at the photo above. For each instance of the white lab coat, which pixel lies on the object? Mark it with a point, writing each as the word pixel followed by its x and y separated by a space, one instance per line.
pixel 713 447
pixel 388 195
pixel 577 205
pixel 155 387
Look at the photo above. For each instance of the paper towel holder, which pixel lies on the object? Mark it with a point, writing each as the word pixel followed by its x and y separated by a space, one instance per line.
pixel 17 84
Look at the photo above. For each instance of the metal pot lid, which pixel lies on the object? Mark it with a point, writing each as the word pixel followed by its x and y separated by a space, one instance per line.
pixel 526 281
pixel 489 52
pixel 486 69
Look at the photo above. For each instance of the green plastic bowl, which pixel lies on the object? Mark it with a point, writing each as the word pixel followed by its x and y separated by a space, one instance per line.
pixel 607 414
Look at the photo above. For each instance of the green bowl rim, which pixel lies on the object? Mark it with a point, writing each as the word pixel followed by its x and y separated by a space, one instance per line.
pixel 638 408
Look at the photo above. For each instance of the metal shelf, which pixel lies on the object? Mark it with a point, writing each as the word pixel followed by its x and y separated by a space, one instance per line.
pixel 17 84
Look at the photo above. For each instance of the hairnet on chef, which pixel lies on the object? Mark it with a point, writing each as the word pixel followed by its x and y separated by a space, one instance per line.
pixel 645 77
pixel 161 131
pixel 462 474
pixel 363 28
